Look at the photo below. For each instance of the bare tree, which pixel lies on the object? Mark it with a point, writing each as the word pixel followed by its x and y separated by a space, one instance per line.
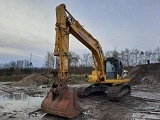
pixel 153 57
pixel 73 59
pixel 49 60
pixel 115 53
pixel 87 59
pixel 141 57
pixel 13 64
pixel 108 54
pixel 136 52
pixel 26 64
pixel 158 54
pixel 148 54
pixel 19 64
pixel 127 56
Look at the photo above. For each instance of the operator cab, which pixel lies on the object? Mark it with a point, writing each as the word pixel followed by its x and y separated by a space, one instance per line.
pixel 113 67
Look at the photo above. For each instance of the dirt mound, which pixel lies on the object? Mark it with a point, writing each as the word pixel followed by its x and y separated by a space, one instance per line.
pixel 34 79
pixel 145 74
pixel 77 79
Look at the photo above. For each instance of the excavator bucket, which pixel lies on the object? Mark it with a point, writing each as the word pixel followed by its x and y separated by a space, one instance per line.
pixel 65 104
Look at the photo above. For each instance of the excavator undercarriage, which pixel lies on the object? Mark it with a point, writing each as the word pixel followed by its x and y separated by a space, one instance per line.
pixel 114 92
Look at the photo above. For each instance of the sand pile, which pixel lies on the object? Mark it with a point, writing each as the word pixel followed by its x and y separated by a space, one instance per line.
pixel 34 79
pixel 145 74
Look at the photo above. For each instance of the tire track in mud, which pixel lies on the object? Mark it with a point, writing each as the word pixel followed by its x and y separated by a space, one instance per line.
pixel 145 108
pixel 125 109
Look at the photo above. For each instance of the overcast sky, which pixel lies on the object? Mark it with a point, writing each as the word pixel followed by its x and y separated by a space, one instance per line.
pixel 28 26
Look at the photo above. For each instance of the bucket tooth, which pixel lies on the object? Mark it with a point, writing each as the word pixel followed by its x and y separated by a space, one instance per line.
pixel 65 104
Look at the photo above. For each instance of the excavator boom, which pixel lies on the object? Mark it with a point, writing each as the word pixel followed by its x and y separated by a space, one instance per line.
pixel 65 25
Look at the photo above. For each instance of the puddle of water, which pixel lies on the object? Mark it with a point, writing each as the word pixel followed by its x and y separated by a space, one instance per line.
pixel 19 102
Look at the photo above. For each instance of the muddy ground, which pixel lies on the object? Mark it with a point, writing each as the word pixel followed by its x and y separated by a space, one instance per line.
pixel 19 102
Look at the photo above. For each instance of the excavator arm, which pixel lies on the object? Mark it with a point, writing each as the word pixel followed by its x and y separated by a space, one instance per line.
pixel 66 24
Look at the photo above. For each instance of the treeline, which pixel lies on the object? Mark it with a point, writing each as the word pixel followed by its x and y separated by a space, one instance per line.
pixel 19 67
pixel 76 64
pixel 80 64
pixel 136 57
pixel 128 57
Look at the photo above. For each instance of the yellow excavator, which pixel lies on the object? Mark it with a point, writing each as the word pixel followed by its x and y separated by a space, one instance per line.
pixel 108 76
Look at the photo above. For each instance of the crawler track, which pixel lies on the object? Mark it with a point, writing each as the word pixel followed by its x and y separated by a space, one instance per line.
pixel 117 92
pixel 83 91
